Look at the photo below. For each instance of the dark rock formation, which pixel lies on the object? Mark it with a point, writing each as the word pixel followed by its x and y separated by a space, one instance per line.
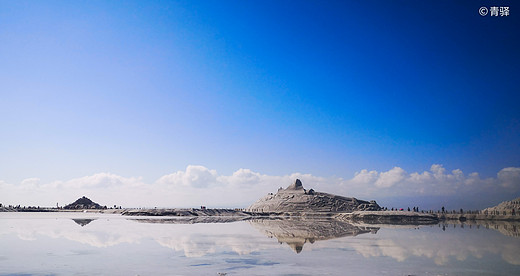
pixel 297 185
pixel 7 209
pixel 192 219
pixel 390 217
pixel 296 199
pixel 83 222
pixel 192 212
pixel 83 203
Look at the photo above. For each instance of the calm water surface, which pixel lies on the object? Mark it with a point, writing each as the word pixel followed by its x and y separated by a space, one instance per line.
pixel 99 244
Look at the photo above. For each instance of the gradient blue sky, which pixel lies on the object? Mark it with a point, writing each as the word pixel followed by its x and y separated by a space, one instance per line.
pixel 327 88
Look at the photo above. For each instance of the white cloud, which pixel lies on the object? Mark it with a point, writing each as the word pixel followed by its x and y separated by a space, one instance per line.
pixel 365 177
pixel 435 182
pixel 198 185
pixel 391 177
pixel 509 177
pixel 437 170
pixel 194 176
pixel 243 177
pixel 101 180
pixel 421 177
pixel 30 182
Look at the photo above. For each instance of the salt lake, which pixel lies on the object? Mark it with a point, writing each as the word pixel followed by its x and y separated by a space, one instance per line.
pixel 110 244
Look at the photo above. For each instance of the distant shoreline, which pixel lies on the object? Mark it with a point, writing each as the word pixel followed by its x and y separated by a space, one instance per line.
pixel 56 210
pixel 390 217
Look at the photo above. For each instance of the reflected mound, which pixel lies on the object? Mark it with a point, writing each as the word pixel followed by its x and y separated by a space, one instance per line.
pixel 83 222
pixel 506 228
pixel 296 232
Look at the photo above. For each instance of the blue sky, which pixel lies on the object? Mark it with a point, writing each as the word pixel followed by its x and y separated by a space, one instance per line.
pixel 326 88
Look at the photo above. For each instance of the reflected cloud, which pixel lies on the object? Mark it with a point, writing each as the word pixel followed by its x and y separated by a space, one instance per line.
pixel 443 243
pixel 195 239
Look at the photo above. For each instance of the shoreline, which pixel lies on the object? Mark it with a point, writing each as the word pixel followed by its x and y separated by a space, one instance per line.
pixel 387 217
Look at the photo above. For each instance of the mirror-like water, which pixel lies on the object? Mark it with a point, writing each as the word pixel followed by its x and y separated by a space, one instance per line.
pixel 99 244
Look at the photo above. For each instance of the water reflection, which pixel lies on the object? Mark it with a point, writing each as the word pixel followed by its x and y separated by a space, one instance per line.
pixel 507 228
pixel 297 232
pixel 83 222
pixel 261 246
pixel 453 243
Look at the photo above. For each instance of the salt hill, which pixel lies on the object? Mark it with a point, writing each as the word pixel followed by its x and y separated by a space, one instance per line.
pixel 297 199
pixel 509 207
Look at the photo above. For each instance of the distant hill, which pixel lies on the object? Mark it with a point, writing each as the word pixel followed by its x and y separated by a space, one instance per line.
pixel 507 206
pixel 83 203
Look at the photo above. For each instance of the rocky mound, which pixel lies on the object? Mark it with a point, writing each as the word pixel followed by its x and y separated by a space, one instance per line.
pixel 83 203
pixel 506 206
pixel 297 199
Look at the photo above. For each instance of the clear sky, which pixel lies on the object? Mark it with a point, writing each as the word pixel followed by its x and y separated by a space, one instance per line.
pixel 194 102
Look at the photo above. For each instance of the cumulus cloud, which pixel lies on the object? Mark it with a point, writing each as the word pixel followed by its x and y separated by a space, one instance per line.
pixel 243 177
pixel 436 181
pixel 101 180
pixel 391 177
pixel 509 177
pixel 198 185
pixel 365 177
pixel 193 176
pixel 30 182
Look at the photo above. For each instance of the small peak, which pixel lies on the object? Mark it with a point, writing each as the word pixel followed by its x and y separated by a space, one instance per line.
pixel 297 185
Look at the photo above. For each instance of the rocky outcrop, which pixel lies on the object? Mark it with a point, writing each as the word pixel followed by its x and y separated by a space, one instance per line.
pixel 7 209
pixel 83 203
pixel 192 219
pixel 511 207
pixel 390 217
pixel 296 199
pixel 192 212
